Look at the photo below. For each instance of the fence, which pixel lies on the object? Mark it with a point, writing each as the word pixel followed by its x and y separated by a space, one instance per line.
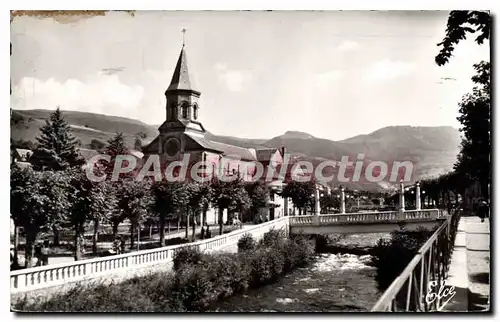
pixel 53 275
pixel 431 263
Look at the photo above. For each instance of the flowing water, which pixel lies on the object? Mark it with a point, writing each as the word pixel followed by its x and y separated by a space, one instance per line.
pixel 332 283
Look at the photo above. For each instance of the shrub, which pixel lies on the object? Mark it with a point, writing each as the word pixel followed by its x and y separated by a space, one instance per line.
pixel 192 288
pixel 260 267
pixel 272 238
pixel 187 255
pixel 123 297
pixel 390 257
pixel 322 241
pixel 246 243
pixel 298 252
pixel 198 280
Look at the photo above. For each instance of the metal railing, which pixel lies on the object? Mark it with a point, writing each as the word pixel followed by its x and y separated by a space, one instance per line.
pixel 409 290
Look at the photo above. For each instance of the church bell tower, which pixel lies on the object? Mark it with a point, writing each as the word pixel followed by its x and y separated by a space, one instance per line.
pixel 182 106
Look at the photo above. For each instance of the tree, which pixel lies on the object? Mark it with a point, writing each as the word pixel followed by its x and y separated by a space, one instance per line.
pixel 134 202
pixel 258 192
pixel 116 146
pixel 116 216
pixel 206 194
pixel 89 201
pixel 228 195
pixel 328 202
pixel 80 203
pixel 38 199
pixel 169 198
pixel 195 196
pixel 97 145
pixel 300 193
pixel 475 114
pixel 138 144
pixel 460 23
pixel 141 135
pixel 57 147
pixel 475 109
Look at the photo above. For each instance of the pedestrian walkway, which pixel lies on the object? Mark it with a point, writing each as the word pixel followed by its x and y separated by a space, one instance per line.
pixel 470 267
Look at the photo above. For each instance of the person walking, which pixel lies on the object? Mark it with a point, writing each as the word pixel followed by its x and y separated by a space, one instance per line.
pixel 483 210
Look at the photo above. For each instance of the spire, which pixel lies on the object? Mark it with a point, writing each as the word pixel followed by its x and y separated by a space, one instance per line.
pixel 181 80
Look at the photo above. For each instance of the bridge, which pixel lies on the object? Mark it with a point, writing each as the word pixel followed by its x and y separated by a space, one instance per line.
pixel 366 222
pixel 132 264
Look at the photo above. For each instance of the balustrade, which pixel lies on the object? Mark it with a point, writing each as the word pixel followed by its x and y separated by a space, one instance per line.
pixel 52 275
pixel 365 217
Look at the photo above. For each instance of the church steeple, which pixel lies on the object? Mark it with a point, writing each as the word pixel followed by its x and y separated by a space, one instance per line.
pixel 182 96
pixel 181 80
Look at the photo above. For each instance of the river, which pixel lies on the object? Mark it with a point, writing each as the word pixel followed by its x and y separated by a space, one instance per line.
pixel 331 283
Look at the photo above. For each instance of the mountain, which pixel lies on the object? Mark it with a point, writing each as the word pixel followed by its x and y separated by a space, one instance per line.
pixel 25 125
pixel 432 150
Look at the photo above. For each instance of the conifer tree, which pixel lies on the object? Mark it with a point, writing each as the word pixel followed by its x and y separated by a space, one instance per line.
pixel 57 147
pixel 116 146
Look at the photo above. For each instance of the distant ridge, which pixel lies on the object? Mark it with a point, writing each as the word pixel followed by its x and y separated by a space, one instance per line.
pixel 433 150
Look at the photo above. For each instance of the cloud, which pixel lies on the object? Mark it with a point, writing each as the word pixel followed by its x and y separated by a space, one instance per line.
pixel 97 92
pixel 387 69
pixel 323 80
pixel 347 45
pixel 235 80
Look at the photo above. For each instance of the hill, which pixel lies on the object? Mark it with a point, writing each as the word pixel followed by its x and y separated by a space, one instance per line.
pixel 432 150
pixel 86 127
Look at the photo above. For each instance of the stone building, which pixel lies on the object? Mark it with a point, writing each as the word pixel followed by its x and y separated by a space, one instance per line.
pixel 182 133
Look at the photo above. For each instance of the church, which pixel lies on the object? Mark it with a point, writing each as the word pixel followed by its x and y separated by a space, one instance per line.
pixel 183 133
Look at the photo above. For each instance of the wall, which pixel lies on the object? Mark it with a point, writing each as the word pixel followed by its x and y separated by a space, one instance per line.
pixel 126 265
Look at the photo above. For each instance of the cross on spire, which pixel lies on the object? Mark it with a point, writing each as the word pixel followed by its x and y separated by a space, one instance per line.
pixel 183 36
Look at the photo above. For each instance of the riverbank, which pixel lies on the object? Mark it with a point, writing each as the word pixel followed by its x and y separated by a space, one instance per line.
pixel 198 279
pixel 332 283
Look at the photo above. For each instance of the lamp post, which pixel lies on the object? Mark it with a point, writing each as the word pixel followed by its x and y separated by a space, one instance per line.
pixel 402 197
pixel 342 200
pixel 418 202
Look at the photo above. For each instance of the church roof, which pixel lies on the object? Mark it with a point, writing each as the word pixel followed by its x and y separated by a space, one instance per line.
pixel 225 149
pixel 265 154
pixel 181 80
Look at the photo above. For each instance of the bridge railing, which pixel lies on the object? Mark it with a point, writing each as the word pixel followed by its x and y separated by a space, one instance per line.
pixel 409 290
pixel 366 217
pixel 53 275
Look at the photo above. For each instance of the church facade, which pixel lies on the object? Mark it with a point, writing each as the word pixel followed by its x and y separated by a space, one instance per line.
pixel 183 134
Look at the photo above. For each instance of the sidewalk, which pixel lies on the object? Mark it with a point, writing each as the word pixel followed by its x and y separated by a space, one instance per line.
pixel 470 267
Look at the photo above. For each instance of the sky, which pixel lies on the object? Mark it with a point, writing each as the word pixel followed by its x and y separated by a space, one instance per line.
pixel 333 74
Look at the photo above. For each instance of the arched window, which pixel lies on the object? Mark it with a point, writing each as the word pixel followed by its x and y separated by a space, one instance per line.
pixel 184 111
pixel 195 112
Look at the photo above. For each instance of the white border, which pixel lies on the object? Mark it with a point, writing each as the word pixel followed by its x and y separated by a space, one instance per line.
pixel 194 5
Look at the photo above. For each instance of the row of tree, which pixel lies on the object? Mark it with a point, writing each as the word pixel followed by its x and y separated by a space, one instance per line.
pixel 50 200
pixel 56 193
pixel 474 160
